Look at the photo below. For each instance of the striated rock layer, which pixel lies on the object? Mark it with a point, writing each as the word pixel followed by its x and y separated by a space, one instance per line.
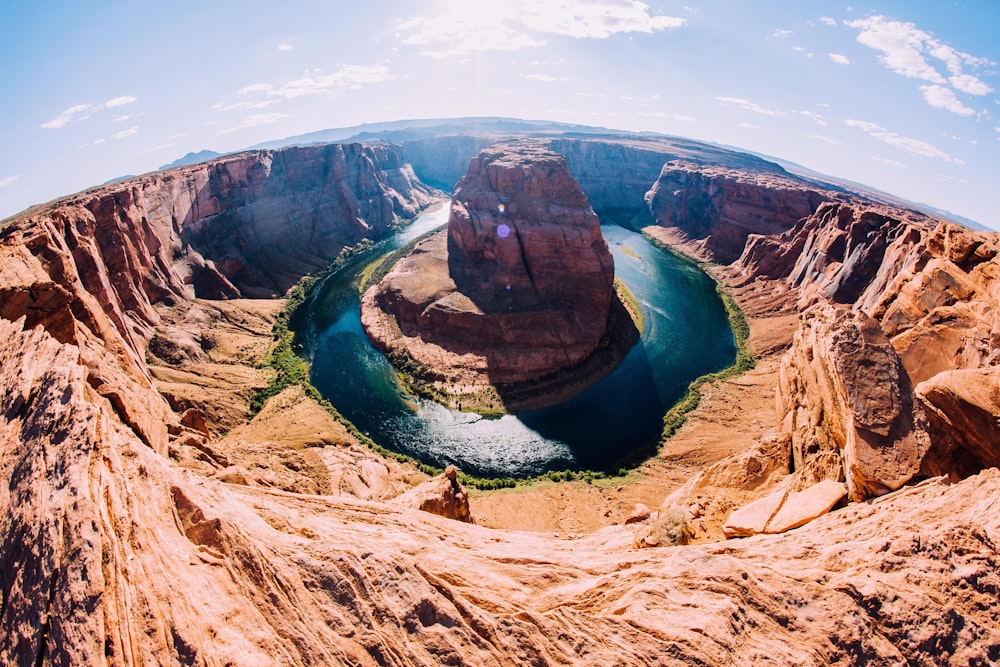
pixel 519 289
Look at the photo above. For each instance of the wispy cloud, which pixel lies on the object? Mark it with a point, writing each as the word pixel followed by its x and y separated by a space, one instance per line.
pixel 255 88
pixel 828 21
pixel 911 146
pixel 467 28
pixel 126 133
pixel 814 117
pixel 822 137
pixel 839 59
pixel 749 126
pixel 546 78
pixel 944 98
pixel 119 101
pixel 243 106
pixel 749 106
pixel 914 53
pixel 79 112
pixel 348 76
pixel 122 118
pixel 780 33
pixel 284 46
pixel 255 120
pixel 10 180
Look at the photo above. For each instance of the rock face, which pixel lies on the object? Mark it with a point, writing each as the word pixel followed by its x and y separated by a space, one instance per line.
pixel 520 289
pixel 721 207
pixel 844 391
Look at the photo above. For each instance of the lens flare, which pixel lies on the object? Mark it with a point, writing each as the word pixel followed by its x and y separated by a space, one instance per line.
pixel 503 231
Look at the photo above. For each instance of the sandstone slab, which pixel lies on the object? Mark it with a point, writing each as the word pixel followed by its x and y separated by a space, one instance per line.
pixel 800 507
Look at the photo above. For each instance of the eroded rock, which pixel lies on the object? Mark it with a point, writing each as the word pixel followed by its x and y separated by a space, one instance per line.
pixel 843 390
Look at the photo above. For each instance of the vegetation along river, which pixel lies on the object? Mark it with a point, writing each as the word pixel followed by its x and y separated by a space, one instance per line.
pixel 686 334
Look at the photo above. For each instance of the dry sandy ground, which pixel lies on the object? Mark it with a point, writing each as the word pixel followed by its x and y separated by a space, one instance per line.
pixel 731 418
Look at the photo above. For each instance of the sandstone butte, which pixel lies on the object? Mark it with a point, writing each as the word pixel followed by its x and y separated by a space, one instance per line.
pixel 144 520
pixel 514 306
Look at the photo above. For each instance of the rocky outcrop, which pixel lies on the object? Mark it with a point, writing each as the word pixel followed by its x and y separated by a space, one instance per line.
pixel 520 289
pixel 843 391
pixel 963 411
pixel 443 495
pixel 719 208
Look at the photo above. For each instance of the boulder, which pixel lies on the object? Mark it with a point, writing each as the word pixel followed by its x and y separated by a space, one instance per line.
pixel 843 390
pixel 783 509
pixel 752 519
pixel 800 507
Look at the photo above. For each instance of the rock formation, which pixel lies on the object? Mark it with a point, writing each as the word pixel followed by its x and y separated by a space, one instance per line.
pixel 721 207
pixel 520 289
pixel 443 495
pixel 844 391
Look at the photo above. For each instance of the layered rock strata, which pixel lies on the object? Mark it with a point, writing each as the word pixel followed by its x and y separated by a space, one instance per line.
pixel 519 289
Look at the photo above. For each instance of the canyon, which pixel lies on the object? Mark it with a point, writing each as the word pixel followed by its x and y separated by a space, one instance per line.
pixel 146 518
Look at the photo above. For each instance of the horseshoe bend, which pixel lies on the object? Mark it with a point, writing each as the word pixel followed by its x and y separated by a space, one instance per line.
pixel 837 503
pixel 515 302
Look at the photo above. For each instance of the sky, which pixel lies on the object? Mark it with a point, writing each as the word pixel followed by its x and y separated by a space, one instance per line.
pixel 902 96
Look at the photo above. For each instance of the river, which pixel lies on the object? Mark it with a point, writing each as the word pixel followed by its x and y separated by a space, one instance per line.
pixel 686 334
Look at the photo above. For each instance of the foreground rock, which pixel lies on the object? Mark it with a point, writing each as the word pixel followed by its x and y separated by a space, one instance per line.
pixel 109 552
pixel 844 391
pixel 520 290
pixel 443 495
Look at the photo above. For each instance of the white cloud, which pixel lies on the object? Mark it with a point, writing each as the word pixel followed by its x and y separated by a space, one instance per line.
pixel 749 106
pixel 967 83
pixel 79 112
pixel 126 133
pixel 749 126
pixel 284 46
pixel 822 137
pixel 839 59
pixel 10 180
pixel 911 146
pixel 122 118
pixel 902 46
pixel 467 27
pixel 910 51
pixel 119 101
pixel 998 132
pixel 944 98
pixel 828 21
pixel 241 106
pixel 255 88
pixel 348 76
pixel 255 120
pixel 780 33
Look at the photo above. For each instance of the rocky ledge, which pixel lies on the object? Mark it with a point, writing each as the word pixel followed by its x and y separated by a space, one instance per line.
pixel 514 307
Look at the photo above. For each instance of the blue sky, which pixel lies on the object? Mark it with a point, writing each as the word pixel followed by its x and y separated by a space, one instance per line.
pixel 902 96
